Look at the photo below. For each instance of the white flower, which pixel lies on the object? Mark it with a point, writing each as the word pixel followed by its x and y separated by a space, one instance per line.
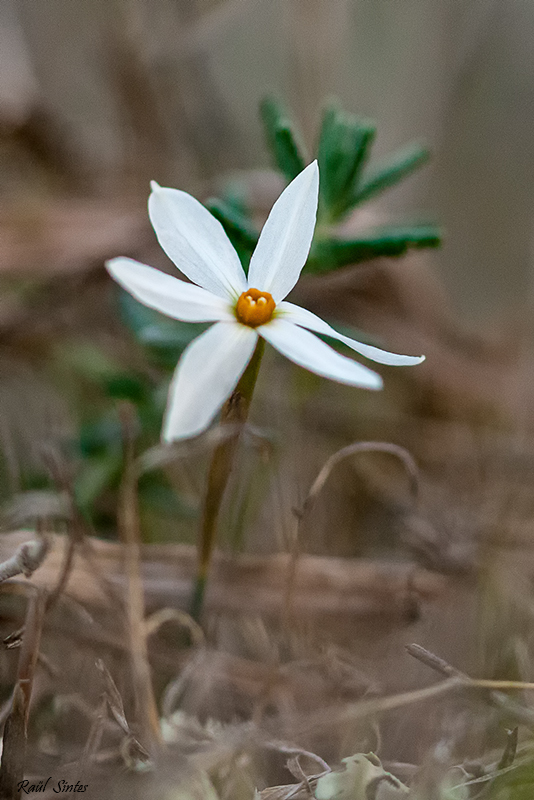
pixel 242 308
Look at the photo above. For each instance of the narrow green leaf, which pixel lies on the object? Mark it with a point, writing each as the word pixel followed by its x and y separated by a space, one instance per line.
pixel 96 438
pixel 174 339
pixel 329 156
pixel 330 254
pixel 344 145
pixel 236 224
pixel 359 137
pixel 355 144
pixel 235 195
pixel 510 751
pixel 123 386
pixel 157 496
pixel 390 172
pixel 513 783
pixel 282 139
pixel 96 475
pixel 166 337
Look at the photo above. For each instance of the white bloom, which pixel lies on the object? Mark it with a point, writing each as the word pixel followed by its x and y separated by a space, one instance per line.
pixel 242 308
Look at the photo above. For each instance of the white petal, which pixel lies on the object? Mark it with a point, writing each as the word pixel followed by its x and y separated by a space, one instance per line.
pixel 166 294
pixel 196 242
pixel 309 352
pixel 305 318
pixel 205 377
pixel 286 237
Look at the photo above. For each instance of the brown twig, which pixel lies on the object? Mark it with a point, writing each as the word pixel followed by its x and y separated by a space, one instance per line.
pixel 377 705
pixel 79 533
pixel 363 447
pixel 15 732
pixel 497 698
pixel 76 528
pixel 434 662
pixel 319 482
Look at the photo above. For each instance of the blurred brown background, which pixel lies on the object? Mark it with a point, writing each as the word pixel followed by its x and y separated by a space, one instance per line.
pixel 456 73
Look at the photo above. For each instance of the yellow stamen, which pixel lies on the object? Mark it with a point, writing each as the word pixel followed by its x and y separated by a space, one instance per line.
pixel 254 308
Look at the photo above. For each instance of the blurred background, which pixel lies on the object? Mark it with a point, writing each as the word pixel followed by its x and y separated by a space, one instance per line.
pixel 170 89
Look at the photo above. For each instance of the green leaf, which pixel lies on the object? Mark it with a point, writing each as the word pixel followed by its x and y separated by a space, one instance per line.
pixel 389 172
pixel 344 145
pixel 157 496
pixel 355 147
pixel 96 475
pixel 515 783
pixel 166 337
pixel 96 437
pixel 510 751
pixel 331 254
pixel 329 155
pixel 122 386
pixel 239 229
pixel 87 360
pixel 282 139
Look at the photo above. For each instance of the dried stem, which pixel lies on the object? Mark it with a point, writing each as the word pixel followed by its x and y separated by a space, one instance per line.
pixel 235 411
pixel 76 529
pixel 79 532
pixel 376 705
pixel 521 714
pixel 146 709
pixel 15 732
pixel 321 479
pixel 363 447
pixel 434 662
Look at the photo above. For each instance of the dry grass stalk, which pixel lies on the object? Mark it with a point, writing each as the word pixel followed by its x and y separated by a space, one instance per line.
pixel 15 732
pixel 327 718
pixel 146 709
pixel 318 484
pixel 521 714
pixel 76 529
pixel 132 751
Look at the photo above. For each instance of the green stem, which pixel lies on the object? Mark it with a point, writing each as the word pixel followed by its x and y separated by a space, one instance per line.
pixel 234 412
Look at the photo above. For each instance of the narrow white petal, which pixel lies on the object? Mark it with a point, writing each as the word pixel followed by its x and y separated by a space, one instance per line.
pixel 305 318
pixel 286 237
pixel 196 242
pixel 205 377
pixel 166 294
pixel 309 352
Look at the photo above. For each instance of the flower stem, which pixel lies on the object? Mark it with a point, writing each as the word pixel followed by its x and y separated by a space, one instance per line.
pixel 234 412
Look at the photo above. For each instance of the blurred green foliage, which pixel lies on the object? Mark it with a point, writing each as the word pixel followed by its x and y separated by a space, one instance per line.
pixel 346 181
pixel 102 383
pixel 515 782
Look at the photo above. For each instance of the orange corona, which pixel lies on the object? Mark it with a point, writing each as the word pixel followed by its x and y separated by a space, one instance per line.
pixel 255 308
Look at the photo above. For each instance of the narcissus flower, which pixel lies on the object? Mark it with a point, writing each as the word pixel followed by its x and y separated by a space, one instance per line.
pixel 242 308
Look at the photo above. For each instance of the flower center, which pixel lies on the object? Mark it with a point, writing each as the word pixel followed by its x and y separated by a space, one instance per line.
pixel 254 308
